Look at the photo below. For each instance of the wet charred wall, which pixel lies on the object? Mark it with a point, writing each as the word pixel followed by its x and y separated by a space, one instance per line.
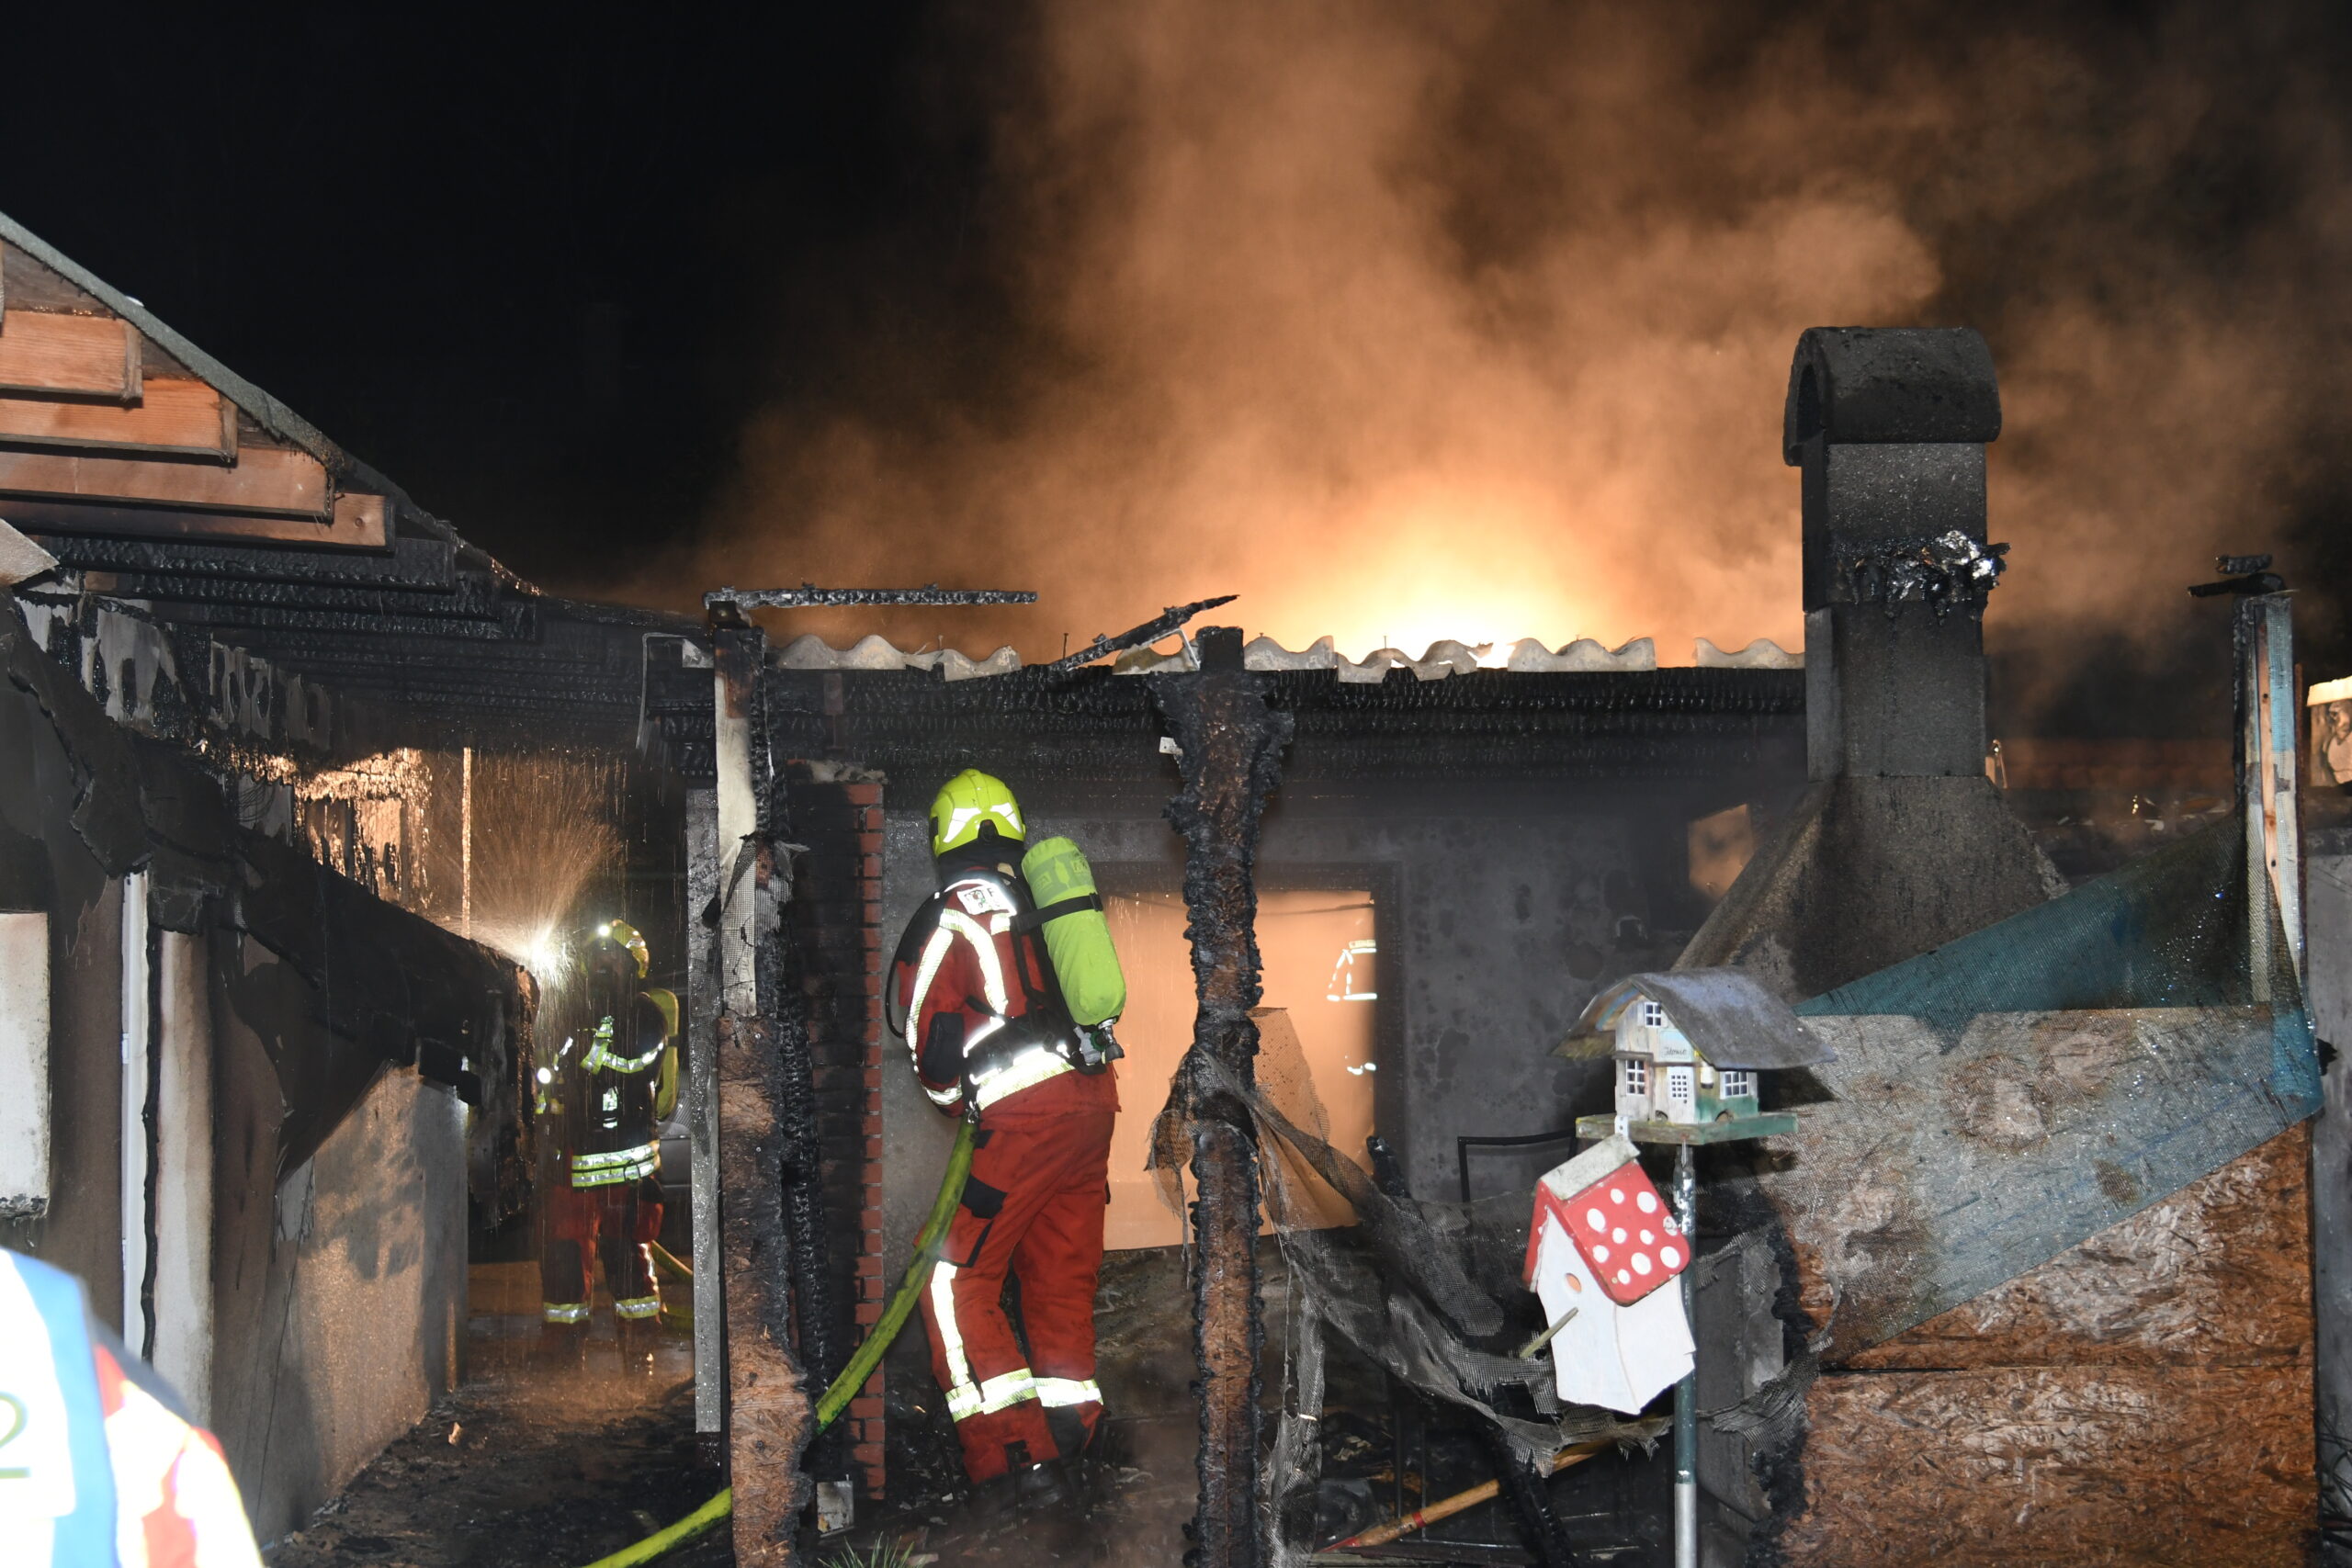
pixel 341 1285
pixel 45 866
pixel 309 1293
pixel 2328 927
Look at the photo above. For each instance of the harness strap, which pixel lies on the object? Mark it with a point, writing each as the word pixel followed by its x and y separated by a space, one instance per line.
pixel 1031 920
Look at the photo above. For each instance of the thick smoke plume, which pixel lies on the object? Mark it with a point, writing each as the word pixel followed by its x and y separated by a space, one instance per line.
pixel 1410 321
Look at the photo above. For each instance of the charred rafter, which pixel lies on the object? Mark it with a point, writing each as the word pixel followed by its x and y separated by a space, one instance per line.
pixel 1171 619
pixel 808 596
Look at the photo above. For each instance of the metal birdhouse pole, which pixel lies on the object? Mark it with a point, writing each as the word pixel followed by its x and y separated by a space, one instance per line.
pixel 1686 1393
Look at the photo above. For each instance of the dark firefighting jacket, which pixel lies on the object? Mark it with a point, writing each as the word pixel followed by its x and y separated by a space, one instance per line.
pixel 606 1087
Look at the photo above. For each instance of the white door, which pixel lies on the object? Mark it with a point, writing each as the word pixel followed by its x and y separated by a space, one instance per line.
pixel 1679 1098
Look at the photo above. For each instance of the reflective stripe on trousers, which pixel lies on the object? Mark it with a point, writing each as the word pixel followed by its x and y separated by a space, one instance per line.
pixel 638 1306
pixel 563 1312
pixel 1057 1393
pixel 966 1398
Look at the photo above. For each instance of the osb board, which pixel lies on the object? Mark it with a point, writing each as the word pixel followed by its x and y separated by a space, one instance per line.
pixel 1949 1163
pixel 2217 1274
pixel 2084 1466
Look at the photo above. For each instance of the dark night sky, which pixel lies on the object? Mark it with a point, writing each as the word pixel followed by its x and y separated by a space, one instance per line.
pixel 534 266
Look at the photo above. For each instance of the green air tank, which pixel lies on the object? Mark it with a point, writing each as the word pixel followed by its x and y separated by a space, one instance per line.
pixel 1078 935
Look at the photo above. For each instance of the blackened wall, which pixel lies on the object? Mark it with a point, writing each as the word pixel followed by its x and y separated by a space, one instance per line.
pixel 336 1285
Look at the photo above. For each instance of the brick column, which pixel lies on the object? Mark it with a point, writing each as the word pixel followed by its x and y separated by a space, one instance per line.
pixel 866 1410
pixel 838 917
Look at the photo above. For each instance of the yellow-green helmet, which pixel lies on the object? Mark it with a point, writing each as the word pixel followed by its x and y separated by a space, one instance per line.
pixel 625 935
pixel 966 802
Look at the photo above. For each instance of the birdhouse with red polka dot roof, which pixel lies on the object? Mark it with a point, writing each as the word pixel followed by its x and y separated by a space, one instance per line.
pixel 1620 1225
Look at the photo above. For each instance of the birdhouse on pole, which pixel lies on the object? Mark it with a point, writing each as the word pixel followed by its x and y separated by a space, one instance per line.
pixel 1690 1048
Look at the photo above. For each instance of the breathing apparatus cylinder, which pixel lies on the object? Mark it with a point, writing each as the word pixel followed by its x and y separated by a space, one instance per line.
pixel 1078 934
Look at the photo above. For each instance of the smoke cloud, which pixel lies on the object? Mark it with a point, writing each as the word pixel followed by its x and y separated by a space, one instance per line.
pixel 1408 322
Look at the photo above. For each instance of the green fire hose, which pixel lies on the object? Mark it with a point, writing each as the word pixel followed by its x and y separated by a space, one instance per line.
pixel 868 1355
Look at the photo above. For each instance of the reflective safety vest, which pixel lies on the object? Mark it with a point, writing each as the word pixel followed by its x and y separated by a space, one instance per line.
pixel 966 953
pixel 98 1468
pixel 607 1087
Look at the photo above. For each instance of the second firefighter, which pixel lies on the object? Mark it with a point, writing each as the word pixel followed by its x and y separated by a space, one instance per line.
pixel 604 1088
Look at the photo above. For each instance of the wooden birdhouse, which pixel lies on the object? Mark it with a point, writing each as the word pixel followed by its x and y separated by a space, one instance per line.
pixel 1689 1048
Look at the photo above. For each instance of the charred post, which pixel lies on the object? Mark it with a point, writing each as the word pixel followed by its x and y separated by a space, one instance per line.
pixel 784 1000
pixel 1230 747
pixel 772 1412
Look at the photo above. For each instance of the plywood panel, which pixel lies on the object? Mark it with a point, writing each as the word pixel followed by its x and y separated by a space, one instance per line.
pixel 2219 1273
pixel 89 355
pixel 171 415
pixel 263 480
pixel 2097 1466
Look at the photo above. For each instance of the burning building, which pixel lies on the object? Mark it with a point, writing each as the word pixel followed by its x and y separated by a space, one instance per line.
pixel 303 790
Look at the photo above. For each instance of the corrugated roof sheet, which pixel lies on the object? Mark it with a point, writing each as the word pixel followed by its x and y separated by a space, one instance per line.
pixel 1528 657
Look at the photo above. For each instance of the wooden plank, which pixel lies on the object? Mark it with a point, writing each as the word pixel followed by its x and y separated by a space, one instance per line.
pixel 2219 1273
pixel 2089 1465
pixel 94 356
pixel 185 417
pixel 359 522
pixel 262 480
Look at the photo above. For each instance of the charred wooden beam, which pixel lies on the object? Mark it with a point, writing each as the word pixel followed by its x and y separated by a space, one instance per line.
pixel 1231 744
pixel 772 1409
pixel 798 1133
pixel 808 596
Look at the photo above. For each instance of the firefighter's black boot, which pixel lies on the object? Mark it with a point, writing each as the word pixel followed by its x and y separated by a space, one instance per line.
pixel 1040 1485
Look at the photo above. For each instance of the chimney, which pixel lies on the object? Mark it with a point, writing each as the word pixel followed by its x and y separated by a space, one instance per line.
pixel 1900 843
pixel 1888 427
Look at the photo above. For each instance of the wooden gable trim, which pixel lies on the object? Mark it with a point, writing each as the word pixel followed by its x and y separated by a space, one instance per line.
pixel 93 357
pixel 175 417
pixel 262 480
pixel 357 522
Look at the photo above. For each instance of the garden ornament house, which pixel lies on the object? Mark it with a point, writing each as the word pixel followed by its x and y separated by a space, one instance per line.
pixel 1690 1045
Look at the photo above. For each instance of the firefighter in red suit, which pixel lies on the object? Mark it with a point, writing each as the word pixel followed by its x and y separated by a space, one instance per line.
pixel 976 1000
